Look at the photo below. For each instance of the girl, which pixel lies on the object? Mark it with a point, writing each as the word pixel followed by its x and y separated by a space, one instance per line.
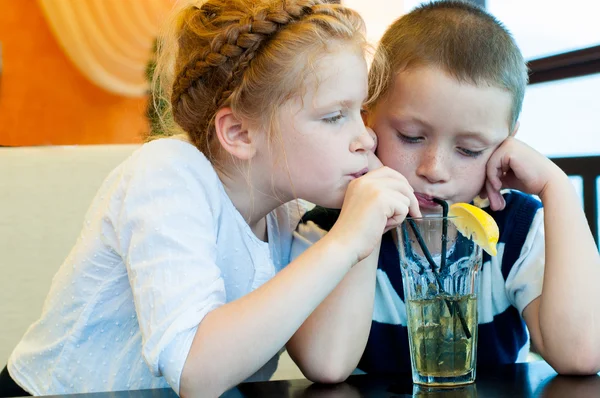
pixel 178 276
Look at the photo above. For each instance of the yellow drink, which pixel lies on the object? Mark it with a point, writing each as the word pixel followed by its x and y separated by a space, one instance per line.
pixel 437 339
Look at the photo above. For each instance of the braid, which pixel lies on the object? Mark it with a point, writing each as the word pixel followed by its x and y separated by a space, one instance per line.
pixel 245 54
pixel 241 39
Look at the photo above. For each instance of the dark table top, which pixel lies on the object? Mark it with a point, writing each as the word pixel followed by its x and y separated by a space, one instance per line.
pixel 535 379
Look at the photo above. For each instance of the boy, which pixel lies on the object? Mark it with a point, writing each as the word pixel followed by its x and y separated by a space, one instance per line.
pixel 446 118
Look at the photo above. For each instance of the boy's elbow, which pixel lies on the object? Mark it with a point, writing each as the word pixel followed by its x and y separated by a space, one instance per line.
pixel 582 364
pixel 576 369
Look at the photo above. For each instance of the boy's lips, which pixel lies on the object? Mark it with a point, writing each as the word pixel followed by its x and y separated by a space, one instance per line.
pixel 425 201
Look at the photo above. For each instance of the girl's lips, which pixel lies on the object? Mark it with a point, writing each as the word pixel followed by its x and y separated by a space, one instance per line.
pixel 425 201
pixel 360 173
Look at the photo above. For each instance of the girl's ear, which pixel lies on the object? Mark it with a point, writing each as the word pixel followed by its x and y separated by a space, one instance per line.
pixel 233 137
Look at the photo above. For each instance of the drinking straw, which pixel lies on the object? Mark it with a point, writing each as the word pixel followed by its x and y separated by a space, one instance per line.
pixel 431 262
pixel 444 205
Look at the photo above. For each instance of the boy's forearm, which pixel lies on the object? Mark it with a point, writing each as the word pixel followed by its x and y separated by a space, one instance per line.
pixel 569 312
pixel 330 343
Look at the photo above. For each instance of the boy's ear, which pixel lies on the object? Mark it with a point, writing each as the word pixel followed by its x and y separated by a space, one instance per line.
pixel 514 132
pixel 234 138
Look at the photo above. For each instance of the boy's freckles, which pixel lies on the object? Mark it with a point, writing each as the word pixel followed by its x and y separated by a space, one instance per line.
pixel 439 132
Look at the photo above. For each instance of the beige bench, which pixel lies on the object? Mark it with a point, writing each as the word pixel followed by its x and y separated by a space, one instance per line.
pixel 44 194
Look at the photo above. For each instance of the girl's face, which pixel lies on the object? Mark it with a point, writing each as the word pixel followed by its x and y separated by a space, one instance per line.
pixel 324 142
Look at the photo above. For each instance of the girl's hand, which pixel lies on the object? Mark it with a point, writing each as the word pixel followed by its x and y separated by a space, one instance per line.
pixel 374 203
pixel 516 165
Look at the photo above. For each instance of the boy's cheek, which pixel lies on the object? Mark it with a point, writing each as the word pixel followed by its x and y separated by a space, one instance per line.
pixel 374 137
pixel 373 161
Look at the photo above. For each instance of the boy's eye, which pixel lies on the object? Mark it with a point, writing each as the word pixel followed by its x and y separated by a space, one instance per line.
pixel 333 118
pixel 469 153
pixel 409 139
pixel 364 115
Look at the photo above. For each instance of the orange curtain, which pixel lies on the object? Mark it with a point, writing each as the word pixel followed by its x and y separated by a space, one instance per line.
pixel 46 99
pixel 109 41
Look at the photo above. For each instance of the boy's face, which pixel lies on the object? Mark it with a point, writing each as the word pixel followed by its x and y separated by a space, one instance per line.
pixel 439 133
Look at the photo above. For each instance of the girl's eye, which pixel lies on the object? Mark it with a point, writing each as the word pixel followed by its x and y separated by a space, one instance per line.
pixel 469 153
pixel 409 140
pixel 333 118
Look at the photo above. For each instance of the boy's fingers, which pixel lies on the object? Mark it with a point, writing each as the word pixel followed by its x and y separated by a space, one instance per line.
pixel 496 200
pixel 490 192
pixel 500 203
pixel 494 172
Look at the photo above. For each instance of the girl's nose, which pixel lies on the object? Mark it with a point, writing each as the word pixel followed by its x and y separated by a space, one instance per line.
pixel 366 141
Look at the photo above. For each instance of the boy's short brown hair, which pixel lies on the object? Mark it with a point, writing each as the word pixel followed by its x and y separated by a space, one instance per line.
pixel 461 39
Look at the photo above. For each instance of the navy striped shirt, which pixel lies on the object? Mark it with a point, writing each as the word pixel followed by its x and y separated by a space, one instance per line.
pixel 508 283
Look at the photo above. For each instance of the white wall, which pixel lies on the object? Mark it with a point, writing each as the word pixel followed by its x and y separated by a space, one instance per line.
pixel 378 14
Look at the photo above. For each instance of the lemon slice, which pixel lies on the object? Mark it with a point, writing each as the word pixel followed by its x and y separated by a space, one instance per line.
pixel 475 224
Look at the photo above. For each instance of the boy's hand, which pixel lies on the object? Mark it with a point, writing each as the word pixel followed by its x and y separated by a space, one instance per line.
pixel 516 165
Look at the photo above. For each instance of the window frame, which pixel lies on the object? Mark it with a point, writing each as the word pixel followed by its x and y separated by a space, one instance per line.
pixel 578 63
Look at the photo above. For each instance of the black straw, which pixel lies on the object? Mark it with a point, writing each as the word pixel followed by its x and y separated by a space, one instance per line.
pixel 431 262
pixel 444 205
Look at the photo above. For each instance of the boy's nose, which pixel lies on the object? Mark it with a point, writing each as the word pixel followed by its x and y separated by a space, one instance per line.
pixel 433 168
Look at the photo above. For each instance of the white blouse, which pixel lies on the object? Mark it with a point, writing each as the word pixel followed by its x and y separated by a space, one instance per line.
pixel 161 246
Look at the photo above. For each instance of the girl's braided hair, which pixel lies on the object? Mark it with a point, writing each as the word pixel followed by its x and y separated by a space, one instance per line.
pixel 250 55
